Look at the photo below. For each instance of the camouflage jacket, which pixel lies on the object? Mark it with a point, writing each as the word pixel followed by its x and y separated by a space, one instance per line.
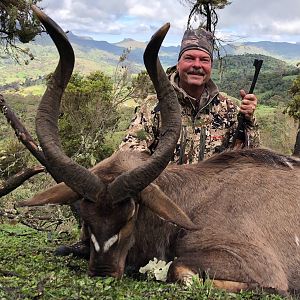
pixel 209 126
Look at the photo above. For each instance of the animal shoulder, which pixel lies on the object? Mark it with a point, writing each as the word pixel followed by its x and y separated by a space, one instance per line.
pixel 255 156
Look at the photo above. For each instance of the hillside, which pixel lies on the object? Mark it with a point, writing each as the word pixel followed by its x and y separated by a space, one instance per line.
pixel 93 55
pixel 273 83
pixel 237 70
pixel 284 51
pixel 131 43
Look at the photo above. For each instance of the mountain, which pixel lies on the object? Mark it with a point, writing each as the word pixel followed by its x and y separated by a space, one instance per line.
pixel 286 51
pixel 92 55
pixel 132 44
pixel 274 80
pixel 85 43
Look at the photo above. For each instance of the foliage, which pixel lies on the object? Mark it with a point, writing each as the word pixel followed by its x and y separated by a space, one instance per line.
pixel 29 270
pixel 17 23
pixel 205 10
pixel 273 82
pixel 13 158
pixel 277 130
pixel 90 109
pixel 123 87
pixel 25 108
pixel 143 85
pixel 88 113
pixel 293 109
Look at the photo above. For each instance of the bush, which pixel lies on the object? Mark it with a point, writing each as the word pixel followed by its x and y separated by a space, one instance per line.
pixel 89 112
pixel 13 158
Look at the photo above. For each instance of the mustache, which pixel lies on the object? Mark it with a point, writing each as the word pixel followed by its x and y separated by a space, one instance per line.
pixel 194 71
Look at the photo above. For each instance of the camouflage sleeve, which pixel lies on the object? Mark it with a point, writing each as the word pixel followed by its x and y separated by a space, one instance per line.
pixel 142 132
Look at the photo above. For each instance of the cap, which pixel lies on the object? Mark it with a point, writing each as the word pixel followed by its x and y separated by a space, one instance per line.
pixel 200 39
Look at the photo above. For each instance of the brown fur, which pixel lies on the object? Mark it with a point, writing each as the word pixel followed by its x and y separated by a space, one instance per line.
pixel 247 204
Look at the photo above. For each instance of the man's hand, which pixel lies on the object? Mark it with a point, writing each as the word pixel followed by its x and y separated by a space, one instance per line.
pixel 248 104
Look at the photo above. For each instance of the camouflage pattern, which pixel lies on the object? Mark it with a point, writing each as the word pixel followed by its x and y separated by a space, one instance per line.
pixel 197 39
pixel 208 125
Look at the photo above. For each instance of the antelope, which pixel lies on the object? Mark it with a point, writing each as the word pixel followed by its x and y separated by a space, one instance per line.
pixel 233 218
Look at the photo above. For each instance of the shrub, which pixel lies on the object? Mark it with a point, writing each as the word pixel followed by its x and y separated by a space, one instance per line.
pixel 13 158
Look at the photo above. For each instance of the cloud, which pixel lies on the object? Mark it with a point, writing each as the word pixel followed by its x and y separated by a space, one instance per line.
pixel 259 20
pixel 249 20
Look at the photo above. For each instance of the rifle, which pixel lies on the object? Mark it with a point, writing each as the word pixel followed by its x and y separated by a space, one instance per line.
pixel 241 117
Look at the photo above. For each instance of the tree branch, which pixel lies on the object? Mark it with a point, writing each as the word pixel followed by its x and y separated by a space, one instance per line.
pixel 21 132
pixel 30 221
pixel 27 140
pixel 19 178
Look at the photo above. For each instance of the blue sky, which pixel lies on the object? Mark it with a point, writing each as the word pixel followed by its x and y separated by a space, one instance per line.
pixel 114 20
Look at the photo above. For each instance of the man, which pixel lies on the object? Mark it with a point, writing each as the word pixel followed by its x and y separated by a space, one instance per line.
pixel 209 120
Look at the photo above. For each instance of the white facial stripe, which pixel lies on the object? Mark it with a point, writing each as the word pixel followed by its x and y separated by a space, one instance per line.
pixel 297 240
pixel 96 245
pixel 110 242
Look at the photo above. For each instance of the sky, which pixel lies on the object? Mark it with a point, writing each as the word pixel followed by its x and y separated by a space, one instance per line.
pixel 114 20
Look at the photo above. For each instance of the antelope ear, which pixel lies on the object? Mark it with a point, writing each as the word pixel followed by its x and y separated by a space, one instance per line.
pixel 156 200
pixel 57 194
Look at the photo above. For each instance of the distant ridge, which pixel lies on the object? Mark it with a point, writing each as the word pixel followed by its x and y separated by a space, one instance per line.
pixel 288 52
pixel 92 55
pixel 282 50
pixel 131 43
pixel 91 43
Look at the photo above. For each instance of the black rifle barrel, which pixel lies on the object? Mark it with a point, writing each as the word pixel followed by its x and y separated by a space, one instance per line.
pixel 257 64
pixel 241 117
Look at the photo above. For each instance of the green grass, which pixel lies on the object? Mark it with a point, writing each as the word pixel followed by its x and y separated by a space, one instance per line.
pixel 264 110
pixel 29 270
pixel 277 130
pixel 36 90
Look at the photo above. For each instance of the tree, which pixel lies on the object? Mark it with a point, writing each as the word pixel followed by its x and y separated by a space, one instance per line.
pixel 204 11
pixel 293 109
pixel 142 86
pixel 88 112
pixel 17 24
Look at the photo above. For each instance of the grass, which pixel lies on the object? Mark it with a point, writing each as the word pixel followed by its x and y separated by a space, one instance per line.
pixel 264 110
pixel 36 90
pixel 277 130
pixel 29 270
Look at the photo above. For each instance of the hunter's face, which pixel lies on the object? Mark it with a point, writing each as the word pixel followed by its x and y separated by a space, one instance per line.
pixel 194 68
